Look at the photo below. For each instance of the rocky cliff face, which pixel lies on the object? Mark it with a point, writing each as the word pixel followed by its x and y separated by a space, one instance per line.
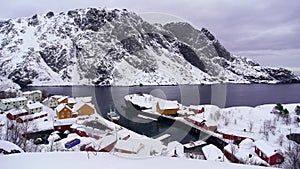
pixel 116 47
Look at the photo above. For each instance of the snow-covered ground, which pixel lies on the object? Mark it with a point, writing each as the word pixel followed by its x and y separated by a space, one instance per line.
pixel 8 146
pixel 259 123
pixel 79 160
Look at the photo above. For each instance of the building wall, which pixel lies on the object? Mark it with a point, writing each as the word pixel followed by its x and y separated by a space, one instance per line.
pixel 274 158
pixel 85 110
pixel 14 117
pixel 52 103
pixel 36 110
pixel 64 113
pixel 33 96
pixel 13 104
pixel 64 101
pixel 167 111
pixel 231 157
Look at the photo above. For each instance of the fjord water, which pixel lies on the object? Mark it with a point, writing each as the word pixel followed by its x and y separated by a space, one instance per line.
pixel 223 95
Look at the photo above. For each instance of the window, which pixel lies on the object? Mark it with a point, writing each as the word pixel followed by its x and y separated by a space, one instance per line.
pixel 278 160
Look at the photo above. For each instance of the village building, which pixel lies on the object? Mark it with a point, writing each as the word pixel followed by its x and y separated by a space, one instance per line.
pixel 71 102
pixel 56 97
pixel 35 95
pixel 31 117
pixel 10 103
pixel 236 136
pixel 63 124
pixel 34 107
pixel 13 114
pixel 243 153
pixel 213 153
pixel 8 93
pixel 50 102
pixel 165 107
pixel 64 111
pixel 129 147
pixel 142 147
pixel 107 143
pixel 174 149
pixel 268 153
pixel 63 99
pixel 193 149
pixel 84 109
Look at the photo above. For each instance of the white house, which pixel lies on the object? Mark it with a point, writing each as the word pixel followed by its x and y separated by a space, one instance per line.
pixel 50 102
pixel 35 95
pixel 6 104
pixel 34 107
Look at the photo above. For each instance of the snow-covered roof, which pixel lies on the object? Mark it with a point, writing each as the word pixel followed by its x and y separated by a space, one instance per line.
pixel 34 105
pixel 71 100
pixel 198 118
pixel 61 106
pixel 211 152
pixel 129 145
pixel 139 100
pixel 78 105
pixel 266 148
pixel 48 99
pixel 239 133
pixel 17 111
pixel 84 99
pixel 62 98
pixel 32 92
pixel 9 146
pixel 247 143
pixel 88 130
pixel 57 96
pixel 63 122
pixel 165 104
pixel 32 116
pixel 106 141
pixel 175 145
pixel 194 144
pixel 17 99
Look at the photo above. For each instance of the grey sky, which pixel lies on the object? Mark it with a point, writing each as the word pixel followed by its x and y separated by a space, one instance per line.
pixel 261 29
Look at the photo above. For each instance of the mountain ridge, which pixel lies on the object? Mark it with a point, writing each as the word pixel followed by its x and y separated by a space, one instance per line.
pixel 96 46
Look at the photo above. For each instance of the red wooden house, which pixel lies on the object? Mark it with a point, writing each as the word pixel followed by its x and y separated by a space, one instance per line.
pixel 268 153
pixel 63 124
pixel 15 113
pixel 31 117
pixel 229 152
pixel 236 136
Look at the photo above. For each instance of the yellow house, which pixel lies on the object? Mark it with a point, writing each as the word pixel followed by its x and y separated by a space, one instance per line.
pixel 63 111
pixel 165 107
pixel 84 109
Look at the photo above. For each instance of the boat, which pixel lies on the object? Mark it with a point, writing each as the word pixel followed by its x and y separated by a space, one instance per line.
pixel 113 116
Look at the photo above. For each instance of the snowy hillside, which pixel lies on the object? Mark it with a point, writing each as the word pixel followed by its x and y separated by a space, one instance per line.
pixel 116 47
pixel 260 124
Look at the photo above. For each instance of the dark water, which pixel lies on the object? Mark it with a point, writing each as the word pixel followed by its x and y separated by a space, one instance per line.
pixel 221 95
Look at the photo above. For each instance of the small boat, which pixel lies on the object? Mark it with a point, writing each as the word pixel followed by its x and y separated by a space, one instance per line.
pixel 113 116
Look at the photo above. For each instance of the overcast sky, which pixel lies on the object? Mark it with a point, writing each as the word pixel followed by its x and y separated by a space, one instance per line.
pixel 266 30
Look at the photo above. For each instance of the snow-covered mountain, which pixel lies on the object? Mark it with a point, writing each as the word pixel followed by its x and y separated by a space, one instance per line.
pixel 116 47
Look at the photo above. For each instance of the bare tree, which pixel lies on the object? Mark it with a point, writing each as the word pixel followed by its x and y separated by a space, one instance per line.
pixel 16 133
pixel 266 128
pixel 292 159
pixel 251 126
pixel 280 139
